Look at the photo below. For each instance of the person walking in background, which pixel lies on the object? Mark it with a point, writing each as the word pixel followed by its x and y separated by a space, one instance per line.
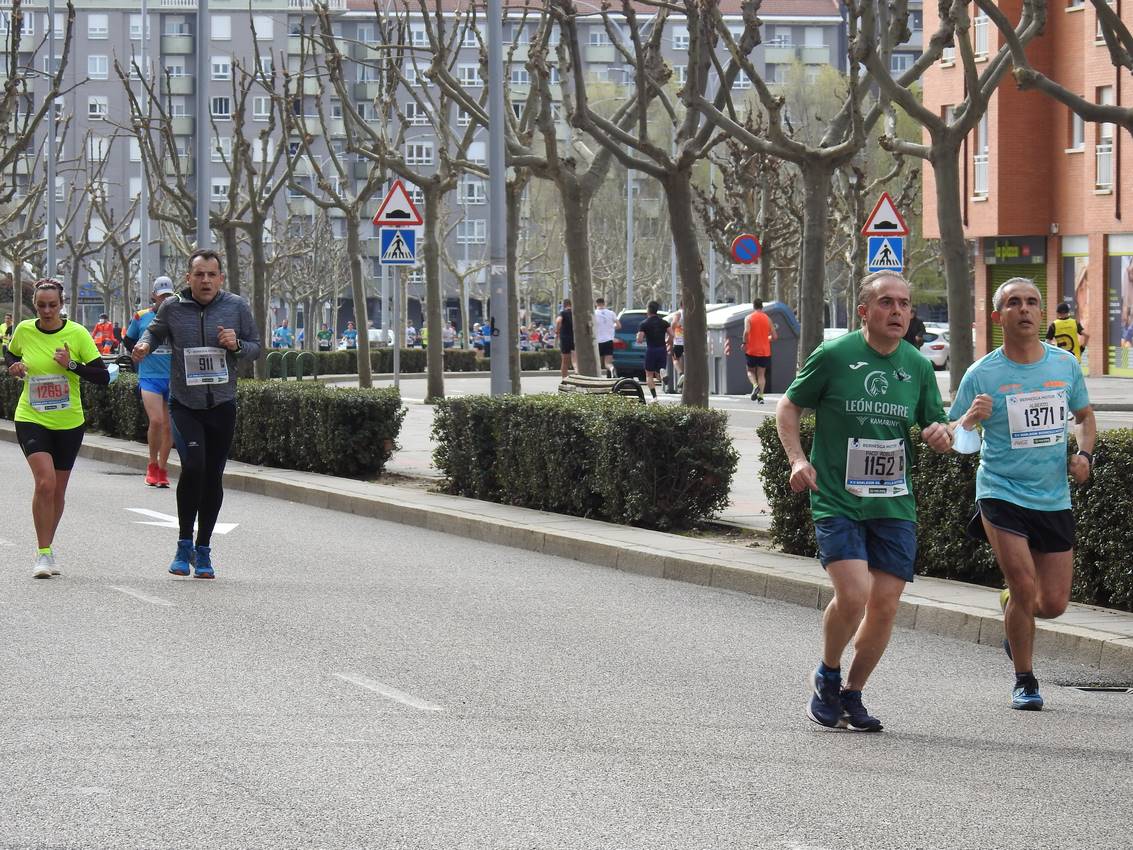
pixel 50 354
pixel 1067 333
pixel 153 383
pixel 657 335
pixel 103 335
pixel 605 324
pixel 759 333
pixel 677 320
pixel 564 329
pixel 209 330
pixel 915 334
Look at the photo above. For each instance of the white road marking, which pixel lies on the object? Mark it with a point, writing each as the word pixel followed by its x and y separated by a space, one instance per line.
pixel 167 521
pixel 389 692
pixel 4 542
pixel 152 600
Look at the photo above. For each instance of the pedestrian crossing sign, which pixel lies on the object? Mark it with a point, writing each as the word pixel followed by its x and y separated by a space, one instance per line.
pixel 398 246
pixel 886 254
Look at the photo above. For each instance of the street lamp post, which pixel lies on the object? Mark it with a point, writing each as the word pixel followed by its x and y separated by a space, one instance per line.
pixel 201 127
pixel 49 271
pixel 497 211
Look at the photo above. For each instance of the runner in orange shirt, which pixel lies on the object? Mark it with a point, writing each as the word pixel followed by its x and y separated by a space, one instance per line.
pixel 759 333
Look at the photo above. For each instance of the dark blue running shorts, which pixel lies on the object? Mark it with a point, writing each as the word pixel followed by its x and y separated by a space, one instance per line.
pixel 889 545
pixel 655 358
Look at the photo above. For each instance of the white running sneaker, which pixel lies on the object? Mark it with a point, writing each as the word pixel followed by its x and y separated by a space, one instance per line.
pixel 55 571
pixel 44 565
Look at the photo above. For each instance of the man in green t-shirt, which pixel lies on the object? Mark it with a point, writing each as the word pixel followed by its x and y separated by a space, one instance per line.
pixel 866 388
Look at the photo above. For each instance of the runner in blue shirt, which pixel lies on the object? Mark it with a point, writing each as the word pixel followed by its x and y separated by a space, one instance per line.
pixel 350 336
pixel 1024 395
pixel 282 337
pixel 153 381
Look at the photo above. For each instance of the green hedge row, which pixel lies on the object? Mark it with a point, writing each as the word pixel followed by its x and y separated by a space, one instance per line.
pixel 596 456
pixel 292 425
pixel 945 486
pixel 413 360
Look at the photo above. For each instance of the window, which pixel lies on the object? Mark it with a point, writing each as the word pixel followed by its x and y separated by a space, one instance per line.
pixel 410 74
pixel 948 55
pixel 221 27
pixel 368 74
pixel 222 149
pixel 98 108
pixel 979 35
pixel 1103 146
pixel 419 153
pixel 520 77
pixel 517 35
pixel 478 153
pixel 294 26
pixel 175 25
pixel 220 107
pixel 181 146
pixel 418 35
pixel 175 66
pixel 135 151
pixel 98 26
pixel 261 108
pixel 598 37
pixel 262 150
pixel 743 81
pixel 814 37
pixel 980 159
pixel 367 34
pixel 1098 33
pixel 335 108
pixel 680 38
pixel 294 148
pixel 50 67
pixel 178 107
pixel 780 37
pixel 366 110
pixel 267 66
pixel 469 37
pixel 60 25
pixel 472 232
pixel 264 26
pixel 472 192
pixel 220 187
pixel 221 68
pixel 1077 132
pixel 97 148
pixel 135 186
pixel 469 75
pixel 463 119
pixel 296 186
pixel 416 114
pixel 899 63
pixel 98 67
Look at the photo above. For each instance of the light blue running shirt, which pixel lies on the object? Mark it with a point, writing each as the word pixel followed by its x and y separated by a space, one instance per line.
pixel 1023 458
pixel 156 365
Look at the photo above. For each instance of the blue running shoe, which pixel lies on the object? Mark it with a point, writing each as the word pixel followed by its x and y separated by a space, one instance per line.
pixel 1027 697
pixel 183 560
pixel 825 707
pixel 854 715
pixel 203 568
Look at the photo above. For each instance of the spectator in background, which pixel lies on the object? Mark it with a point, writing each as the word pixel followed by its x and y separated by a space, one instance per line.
pixel 915 334
pixel 103 334
pixel 6 329
pixel 564 330
pixel 410 335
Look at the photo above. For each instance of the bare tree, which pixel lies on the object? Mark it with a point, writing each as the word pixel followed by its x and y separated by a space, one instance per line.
pixel 946 137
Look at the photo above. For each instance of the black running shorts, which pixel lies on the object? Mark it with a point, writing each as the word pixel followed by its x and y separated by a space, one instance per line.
pixel 1046 531
pixel 63 445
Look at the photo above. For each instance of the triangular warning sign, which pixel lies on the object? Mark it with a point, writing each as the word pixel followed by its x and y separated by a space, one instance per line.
pixel 885 220
pixel 397 209
pixel 888 256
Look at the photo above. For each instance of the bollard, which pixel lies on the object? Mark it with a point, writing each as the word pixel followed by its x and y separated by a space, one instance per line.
pixel 289 358
pixel 275 364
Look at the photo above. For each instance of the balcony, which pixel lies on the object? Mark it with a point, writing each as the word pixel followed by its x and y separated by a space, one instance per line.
pixel 370 52
pixel 779 54
pixel 1103 155
pixel 600 53
pixel 519 54
pixel 815 55
pixel 367 90
pixel 336 128
pixel 362 169
pixel 178 85
pixel 980 175
pixel 186 166
pixel 308 44
pixel 299 205
pixel 176 45
pixel 309 6
pixel 181 125
pixel 311 84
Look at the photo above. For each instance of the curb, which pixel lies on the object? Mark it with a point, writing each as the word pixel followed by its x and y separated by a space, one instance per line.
pixel 771 575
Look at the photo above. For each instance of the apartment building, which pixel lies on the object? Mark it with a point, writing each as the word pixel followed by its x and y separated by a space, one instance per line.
pixel 1046 195
pixel 808 31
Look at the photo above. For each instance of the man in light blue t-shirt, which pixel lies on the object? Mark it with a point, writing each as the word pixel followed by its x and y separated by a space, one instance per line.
pixel 153 383
pixel 1024 395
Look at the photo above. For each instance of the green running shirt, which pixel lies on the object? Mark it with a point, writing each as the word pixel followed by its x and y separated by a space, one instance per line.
pixel 864 404
pixel 37 350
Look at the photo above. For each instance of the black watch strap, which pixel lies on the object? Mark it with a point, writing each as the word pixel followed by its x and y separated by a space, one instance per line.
pixel 1089 457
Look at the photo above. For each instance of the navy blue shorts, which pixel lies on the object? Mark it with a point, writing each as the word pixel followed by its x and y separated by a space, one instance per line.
pixel 754 362
pixel 159 386
pixel 889 545
pixel 655 358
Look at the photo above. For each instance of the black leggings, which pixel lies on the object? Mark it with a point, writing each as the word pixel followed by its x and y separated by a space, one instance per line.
pixel 203 438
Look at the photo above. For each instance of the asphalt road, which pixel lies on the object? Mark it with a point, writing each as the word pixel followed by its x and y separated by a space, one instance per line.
pixel 349 683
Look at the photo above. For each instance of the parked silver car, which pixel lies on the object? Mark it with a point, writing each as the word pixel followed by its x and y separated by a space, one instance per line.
pixel 936 347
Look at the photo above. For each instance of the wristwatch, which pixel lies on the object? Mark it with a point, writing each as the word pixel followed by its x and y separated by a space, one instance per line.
pixel 1089 457
pixel 72 365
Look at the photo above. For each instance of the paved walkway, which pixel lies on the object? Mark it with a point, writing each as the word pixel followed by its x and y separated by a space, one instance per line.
pixel 1084 634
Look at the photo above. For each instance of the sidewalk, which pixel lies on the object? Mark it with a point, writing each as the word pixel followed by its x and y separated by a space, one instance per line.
pixel 1093 636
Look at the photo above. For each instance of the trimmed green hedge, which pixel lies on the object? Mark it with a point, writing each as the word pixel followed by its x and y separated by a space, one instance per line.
pixel 291 425
pixel 606 457
pixel 945 486
pixel 413 360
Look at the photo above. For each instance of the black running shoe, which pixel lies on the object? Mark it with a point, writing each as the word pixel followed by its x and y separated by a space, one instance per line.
pixel 854 715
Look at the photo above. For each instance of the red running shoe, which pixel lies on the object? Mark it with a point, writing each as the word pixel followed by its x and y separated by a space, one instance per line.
pixel 153 475
pixel 162 478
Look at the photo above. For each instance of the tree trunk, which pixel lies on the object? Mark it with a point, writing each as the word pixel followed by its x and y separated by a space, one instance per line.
pixel 434 301
pixel 358 290
pixel 765 270
pixel 72 294
pixel 464 333
pixel 954 248
pixel 690 269
pixel 514 193
pixel 231 241
pixel 259 293
pixel 812 263
pixel 576 210
pixel 17 289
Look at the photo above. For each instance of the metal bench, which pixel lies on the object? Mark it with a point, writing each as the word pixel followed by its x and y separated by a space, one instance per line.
pixel 585 384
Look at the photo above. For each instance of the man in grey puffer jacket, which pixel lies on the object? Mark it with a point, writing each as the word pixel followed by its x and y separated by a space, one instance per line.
pixel 209 330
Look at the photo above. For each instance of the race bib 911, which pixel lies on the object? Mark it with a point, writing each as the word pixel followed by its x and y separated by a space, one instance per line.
pixel 205 365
